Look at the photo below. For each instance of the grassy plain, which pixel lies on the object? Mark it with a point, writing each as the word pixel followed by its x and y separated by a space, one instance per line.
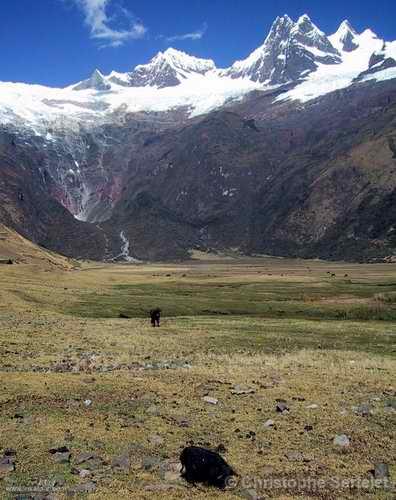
pixel 73 373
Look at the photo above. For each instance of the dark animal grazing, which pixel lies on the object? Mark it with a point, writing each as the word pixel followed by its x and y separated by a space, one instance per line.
pixel 204 466
pixel 155 315
pixel 123 316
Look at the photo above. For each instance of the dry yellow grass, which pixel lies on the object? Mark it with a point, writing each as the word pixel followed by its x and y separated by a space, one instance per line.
pixel 54 355
pixel 17 248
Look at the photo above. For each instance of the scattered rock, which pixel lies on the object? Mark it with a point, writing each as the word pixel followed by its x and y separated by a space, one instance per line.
pixel 121 463
pixel 240 390
pixel 6 467
pixel 23 419
pixel 294 456
pixel 84 473
pixel 156 440
pixel 166 365
pixel 391 404
pixel 61 455
pixel 170 471
pixel 341 440
pixel 7 462
pixel 210 400
pixel 381 471
pixel 62 458
pixel 89 487
pixel 149 463
pixel 83 457
pixel 57 481
pixel 60 449
pixel 94 464
pixel 281 407
pixel 183 422
pixel 90 461
pixel 87 403
pixel 9 452
pixel 153 410
pixel 250 494
pixel 363 410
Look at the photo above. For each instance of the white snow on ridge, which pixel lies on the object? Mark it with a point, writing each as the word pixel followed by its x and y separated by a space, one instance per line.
pixel 328 78
pixel 202 87
pixel 390 49
pixel 40 106
pixel 183 63
pixel 199 93
pixel 381 76
pixel 340 36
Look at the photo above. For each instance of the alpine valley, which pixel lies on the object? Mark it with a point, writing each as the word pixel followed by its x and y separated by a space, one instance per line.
pixel 290 152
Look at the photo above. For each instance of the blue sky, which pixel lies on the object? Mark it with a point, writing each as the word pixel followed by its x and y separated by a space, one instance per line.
pixel 58 42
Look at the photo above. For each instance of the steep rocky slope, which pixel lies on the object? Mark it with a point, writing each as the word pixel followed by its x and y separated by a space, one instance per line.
pixel 310 180
pixel 28 203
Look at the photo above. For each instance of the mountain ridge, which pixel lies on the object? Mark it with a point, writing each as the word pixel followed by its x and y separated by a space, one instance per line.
pixel 196 158
pixel 293 52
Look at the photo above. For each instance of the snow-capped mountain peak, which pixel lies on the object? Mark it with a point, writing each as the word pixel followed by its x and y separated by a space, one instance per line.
pixel 97 81
pixel 346 27
pixel 297 53
pixel 347 39
pixel 305 25
pixel 168 69
pixel 257 65
pixel 309 35
pixel 183 60
pixel 290 50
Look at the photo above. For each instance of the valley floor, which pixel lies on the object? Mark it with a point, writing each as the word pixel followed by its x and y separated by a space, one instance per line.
pixel 73 374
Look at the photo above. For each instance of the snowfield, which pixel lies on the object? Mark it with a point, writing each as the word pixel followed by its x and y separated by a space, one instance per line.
pixel 40 106
pixel 330 77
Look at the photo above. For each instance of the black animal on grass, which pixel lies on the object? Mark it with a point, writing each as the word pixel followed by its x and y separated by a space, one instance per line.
pixel 155 315
pixel 205 466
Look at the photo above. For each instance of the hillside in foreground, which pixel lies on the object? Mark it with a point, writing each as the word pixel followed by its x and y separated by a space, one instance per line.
pixel 15 249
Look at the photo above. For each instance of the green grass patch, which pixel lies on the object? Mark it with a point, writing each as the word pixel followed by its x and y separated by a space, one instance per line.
pixel 321 300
